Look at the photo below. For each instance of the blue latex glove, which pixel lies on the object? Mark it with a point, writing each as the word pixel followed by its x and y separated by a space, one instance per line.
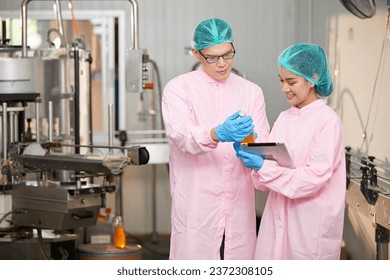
pixel 237 147
pixel 250 160
pixel 234 128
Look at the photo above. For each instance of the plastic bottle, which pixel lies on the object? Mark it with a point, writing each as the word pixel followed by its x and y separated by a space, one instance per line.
pixel 251 137
pixel 119 233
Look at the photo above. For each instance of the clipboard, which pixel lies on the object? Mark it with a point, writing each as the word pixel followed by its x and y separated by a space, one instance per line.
pixel 272 151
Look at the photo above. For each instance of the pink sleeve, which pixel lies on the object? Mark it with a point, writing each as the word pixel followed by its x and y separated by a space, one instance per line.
pixel 180 124
pixel 306 180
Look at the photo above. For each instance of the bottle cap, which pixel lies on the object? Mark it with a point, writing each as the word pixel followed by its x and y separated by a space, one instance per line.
pixel 242 113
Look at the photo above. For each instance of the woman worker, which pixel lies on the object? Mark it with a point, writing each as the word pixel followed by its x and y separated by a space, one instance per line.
pixel 304 213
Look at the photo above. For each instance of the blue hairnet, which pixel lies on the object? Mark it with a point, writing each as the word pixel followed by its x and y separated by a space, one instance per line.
pixel 211 32
pixel 308 61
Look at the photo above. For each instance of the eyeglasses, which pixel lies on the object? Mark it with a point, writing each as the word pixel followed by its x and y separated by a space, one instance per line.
pixel 214 59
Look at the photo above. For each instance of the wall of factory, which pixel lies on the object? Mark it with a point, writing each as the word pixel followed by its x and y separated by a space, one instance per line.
pixel 362 78
pixel 358 51
pixel 262 29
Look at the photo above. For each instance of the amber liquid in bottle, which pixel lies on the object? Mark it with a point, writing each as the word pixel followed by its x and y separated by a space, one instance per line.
pixel 119 233
pixel 251 137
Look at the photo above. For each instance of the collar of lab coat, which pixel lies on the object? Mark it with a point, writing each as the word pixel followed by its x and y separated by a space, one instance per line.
pixel 207 78
pixel 308 108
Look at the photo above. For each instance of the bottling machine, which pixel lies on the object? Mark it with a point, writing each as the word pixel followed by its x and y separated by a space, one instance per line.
pixel 52 176
pixel 368 192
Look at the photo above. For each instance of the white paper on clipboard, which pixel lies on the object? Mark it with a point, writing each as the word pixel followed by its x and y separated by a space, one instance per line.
pixel 272 151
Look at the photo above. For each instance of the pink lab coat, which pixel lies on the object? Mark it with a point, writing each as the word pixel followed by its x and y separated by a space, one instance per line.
pixel 211 190
pixel 304 214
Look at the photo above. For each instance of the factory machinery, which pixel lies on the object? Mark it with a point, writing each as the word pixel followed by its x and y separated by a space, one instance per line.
pixel 368 192
pixel 52 176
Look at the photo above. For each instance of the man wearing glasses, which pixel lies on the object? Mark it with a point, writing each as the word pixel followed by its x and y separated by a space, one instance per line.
pixel 213 202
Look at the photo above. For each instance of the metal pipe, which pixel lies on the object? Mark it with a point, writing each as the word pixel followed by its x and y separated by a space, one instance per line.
pixel 134 25
pixel 90 100
pixel 76 97
pixel 110 125
pixel 23 11
pixel 37 123
pixel 59 18
pixel 18 131
pixel 4 131
pixel 16 126
pixel 11 127
pixel 64 112
pixel 50 132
